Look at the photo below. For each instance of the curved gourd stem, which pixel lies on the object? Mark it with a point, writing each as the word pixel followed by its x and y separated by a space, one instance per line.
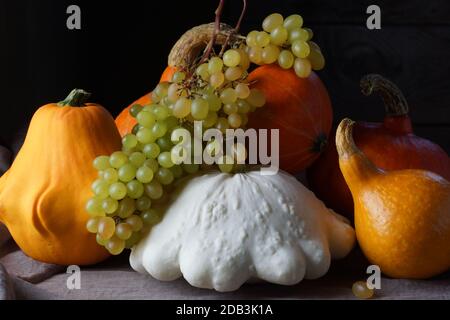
pixel 76 98
pixel 355 166
pixel 393 99
pixel 345 144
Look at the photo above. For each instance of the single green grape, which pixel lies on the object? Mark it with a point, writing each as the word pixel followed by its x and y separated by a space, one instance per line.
pixel 310 33
pixel 177 171
pixel 165 143
pixel 129 141
pixel 115 246
pixel 203 72
pixel 143 203
pixel 199 108
pixel 164 176
pixel 243 106
pixel 126 207
pixel 152 164
pixel 101 163
pixel 286 59
pixel 182 108
pixel 136 128
pixel 245 60
pixel 135 222
pixel 110 205
pixel 135 109
pixel 270 54
pixel 159 129
pixel 233 73
pixel 144 174
pixel 298 34
pixel 242 90
pixel 231 58
pixel 118 159
pixel 279 36
pixel 161 112
pixel 165 160
pixel 215 65
pixel 146 135
pixel 137 159
pixel 110 175
pixel 178 76
pixel 228 95
pixel 135 189
pixel 214 102
pixel 262 39
pixel 101 190
pixel 151 150
pixel 256 98
pixel 234 120
pixel 255 55
pixel 134 239
pixel 100 240
pixel 251 38
pixel 146 119
pixel 92 224
pixel 150 217
pixel 127 172
pixel 300 49
pixel 94 207
pixel 316 58
pixel 230 108
pixel 210 119
pixel 302 67
pixel 123 231
pixel 293 21
pixel 217 79
pixel 106 227
pixel 117 190
pixel 272 21
pixel 173 92
pixel 161 89
pixel 153 190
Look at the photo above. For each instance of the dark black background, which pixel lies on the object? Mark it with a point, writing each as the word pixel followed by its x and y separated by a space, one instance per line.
pixel 122 48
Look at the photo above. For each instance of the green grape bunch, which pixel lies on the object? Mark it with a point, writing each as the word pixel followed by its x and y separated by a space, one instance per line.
pixel 133 182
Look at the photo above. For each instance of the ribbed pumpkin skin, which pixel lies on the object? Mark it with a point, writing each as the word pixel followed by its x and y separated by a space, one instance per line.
pixel 299 108
pixel 44 193
pixel 124 121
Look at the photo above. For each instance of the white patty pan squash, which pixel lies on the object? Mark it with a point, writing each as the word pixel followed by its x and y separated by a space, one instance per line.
pixel 221 230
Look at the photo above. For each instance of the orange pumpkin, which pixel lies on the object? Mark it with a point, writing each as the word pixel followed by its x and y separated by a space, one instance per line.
pixel 125 121
pixel 391 145
pixel 402 217
pixel 44 193
pixel 299 107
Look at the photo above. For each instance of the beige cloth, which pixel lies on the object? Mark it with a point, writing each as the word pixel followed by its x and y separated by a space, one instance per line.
pixel 114 279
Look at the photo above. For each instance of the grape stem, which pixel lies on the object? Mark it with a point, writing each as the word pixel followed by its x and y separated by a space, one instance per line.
pixel 216 31
pixel 236 28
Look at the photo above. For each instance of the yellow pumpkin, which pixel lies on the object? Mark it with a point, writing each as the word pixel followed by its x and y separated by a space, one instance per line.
pixel 43 194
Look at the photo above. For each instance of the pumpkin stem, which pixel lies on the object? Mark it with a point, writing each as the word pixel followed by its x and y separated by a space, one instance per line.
pixel 359 166
pixel 76 98
pixel 187 49
pixel 393 99
pixel 345 144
